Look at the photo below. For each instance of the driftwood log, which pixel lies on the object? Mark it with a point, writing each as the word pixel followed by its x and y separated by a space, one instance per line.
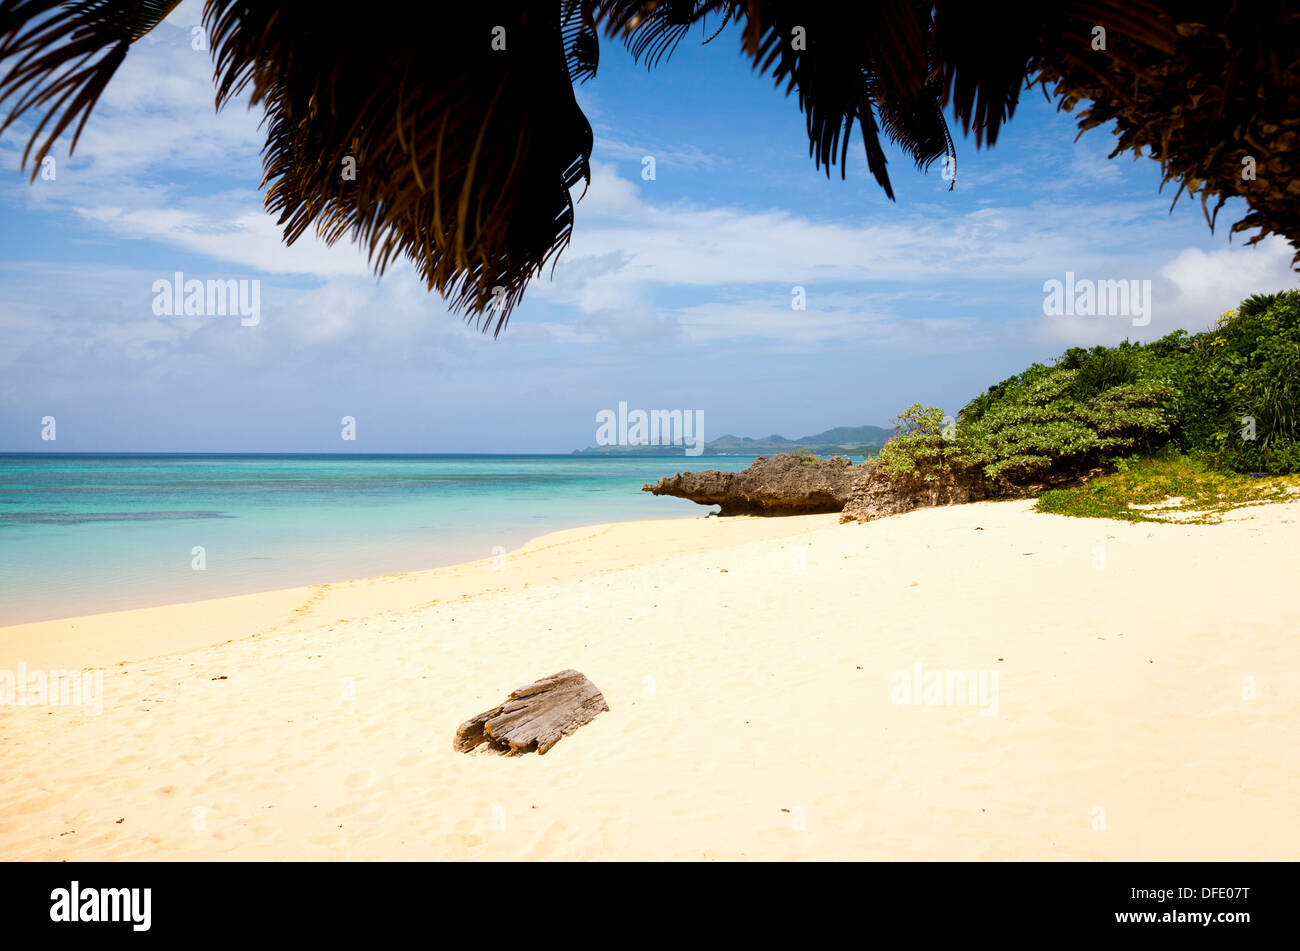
pixel 535 716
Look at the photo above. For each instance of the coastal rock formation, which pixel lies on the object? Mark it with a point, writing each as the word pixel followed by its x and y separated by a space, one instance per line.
pixel 535 716
pixel 775 485
pixel 880 494
pixel 789 485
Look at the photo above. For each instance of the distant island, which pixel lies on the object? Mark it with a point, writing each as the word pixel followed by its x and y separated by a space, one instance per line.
pixel 842 440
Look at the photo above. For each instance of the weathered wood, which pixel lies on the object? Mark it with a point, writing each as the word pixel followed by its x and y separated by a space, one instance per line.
pixel 534 716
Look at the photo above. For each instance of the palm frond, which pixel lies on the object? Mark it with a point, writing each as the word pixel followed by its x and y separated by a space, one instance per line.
pixel 465 154
pixel 1201 87
pixel 64 55
pixel 652 29
pixel 581 41
pixel 861 65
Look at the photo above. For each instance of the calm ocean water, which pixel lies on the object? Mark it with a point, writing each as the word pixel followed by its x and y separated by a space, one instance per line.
pixel 81 534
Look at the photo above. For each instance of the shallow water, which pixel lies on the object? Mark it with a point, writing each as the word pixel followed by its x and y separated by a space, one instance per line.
pixel 81 534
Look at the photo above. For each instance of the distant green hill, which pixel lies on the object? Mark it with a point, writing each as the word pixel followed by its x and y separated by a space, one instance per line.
pixel 842 440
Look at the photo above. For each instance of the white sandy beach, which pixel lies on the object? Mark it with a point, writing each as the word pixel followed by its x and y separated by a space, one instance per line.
pixel 1146 709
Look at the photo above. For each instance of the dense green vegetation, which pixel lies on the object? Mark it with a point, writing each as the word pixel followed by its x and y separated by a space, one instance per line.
pixel 1193 408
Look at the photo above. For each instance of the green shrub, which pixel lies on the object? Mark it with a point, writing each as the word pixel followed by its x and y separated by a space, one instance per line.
pixel 1100 368
pixel 1198 394
pixel 922 445
pixel 1042 430
pixel 1247 369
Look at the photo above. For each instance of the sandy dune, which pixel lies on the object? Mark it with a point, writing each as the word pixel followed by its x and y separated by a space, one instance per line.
pixel 1141 701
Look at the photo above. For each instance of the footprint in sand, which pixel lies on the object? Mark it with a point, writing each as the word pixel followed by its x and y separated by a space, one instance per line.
pixel 364 812
pixel 555 839
pixel 464 837
pixel 260 831
pixel 362 779
pixel 230 808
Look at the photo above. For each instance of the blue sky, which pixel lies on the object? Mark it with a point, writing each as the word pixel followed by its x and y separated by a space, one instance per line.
pixel 675 293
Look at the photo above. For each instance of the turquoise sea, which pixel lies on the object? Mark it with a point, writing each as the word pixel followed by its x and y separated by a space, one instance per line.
pixel 80 534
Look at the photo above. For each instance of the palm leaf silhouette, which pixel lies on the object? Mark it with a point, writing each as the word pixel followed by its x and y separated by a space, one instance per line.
pixel 65 59
pixel 466 149
pixel 465 153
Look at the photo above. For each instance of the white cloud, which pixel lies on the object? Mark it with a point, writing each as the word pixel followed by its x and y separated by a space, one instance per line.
pixel 686 156
pixel 229 227
pixel 1190 290
pixel 684 244
pixel 1207 283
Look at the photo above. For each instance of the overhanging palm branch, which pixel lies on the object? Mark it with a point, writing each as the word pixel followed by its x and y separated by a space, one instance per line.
pixel 865 65
pixel 466 150
pixel 63 56
pixel 1219 108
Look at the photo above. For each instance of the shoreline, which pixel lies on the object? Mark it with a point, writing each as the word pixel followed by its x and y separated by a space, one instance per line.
pixel 454 553
pixel 112 638
pixel 203 527
pixel 768 683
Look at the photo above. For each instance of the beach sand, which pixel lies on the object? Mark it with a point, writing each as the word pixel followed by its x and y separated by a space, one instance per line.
pixel 1142 701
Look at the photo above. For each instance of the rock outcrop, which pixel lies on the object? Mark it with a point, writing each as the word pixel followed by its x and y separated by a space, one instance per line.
pixel 880 494
pixel 772 485
pixel 788 485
